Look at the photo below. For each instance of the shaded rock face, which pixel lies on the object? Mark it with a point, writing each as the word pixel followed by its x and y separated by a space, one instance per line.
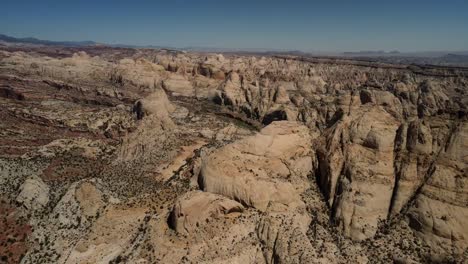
pixel 414 145
pixel 160 156
pixel 276 115
pixel 257 99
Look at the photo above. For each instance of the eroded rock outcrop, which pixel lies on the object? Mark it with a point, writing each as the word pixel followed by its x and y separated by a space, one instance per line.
pixel 178 85
pixel 258 99
pixel 440 209
pixel 112 235
pixel 34 193
pixel 154 128
pixel 415 153
pixel 197 208
pixel 156 105
pixel 356 170
pixel 260 171
pixel 268 171
pixel 73 214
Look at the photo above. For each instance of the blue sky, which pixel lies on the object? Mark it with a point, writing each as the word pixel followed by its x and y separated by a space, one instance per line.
pixel 347 25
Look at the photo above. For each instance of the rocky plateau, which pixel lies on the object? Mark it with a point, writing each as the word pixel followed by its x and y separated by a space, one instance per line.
pixel 120 155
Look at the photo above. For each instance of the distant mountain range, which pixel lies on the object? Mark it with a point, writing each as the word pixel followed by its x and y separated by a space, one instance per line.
pixel 36 41
pixel 371 52
pixel 426 54
pixel 431 57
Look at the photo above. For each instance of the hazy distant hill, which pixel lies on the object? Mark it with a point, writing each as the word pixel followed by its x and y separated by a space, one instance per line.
pixel 36 41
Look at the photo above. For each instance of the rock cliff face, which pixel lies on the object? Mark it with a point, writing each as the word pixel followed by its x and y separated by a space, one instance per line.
pixel 155 156
pixel 356 170
pixel 439 209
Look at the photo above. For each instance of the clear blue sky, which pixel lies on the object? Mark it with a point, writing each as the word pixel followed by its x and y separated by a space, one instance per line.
pixel 347 25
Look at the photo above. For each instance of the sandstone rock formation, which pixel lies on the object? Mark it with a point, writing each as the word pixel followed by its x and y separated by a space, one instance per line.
pixel 264 170
pixel 195 208
pixel 356 170
pixel 440 209
pixel 154 128
pixel 112 155
pixel 178 85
